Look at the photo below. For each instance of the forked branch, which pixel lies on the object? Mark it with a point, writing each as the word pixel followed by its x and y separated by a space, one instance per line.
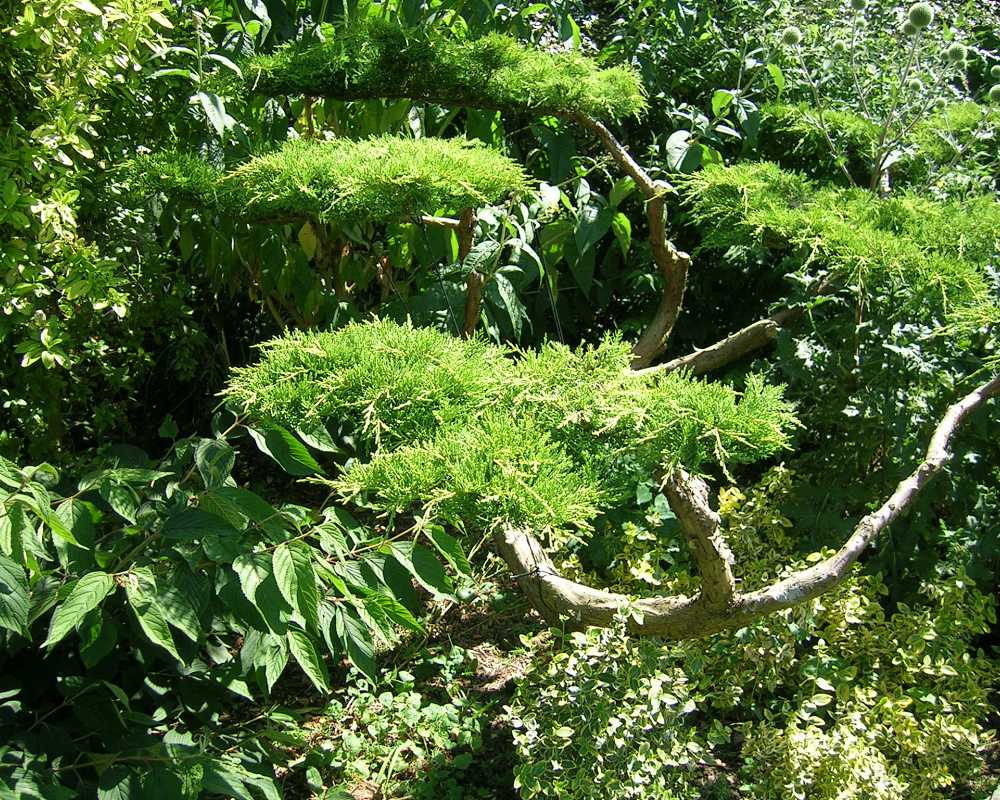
pixel 718 606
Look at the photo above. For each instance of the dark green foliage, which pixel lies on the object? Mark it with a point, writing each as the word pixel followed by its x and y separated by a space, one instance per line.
pixel 339 181
pixel 547 439
pixel 906 242
pixel 380 59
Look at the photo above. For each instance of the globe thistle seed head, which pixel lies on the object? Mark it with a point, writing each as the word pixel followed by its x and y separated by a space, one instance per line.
pixel 921 15
pixel 791 36
pixel 995 72
pixel 914 85
pixel 995 93
pixel 839 47
pixel 859 5
pixel 908 29
pixel 957 53
pixel 940 104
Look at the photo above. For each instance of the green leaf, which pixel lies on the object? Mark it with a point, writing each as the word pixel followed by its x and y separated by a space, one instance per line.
pixel 503 294
pixel 620 191
pixel 424 566
pixel 721 100
pixel 291 455
pixel 449 547
pixel 622 228
pixel 777 76
pixel 13 596
pixel 303 648
pixel 122 498
pixel 318 438
pixel 293 572
pixel 391 608
pixel 214 459
pixel 357 641
pixel 591 227
pixel 256 574
pixel 224 779
pixel 86 595
pixel 141 591
pixel 193 523
pixel 215 110
pixel 183 597
pixel 118 783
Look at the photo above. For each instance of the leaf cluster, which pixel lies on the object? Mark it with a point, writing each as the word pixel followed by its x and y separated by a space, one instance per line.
pixel 379 59
pixel 339 181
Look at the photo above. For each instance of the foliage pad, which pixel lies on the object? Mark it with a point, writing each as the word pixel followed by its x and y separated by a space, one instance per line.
pixel 461 429
pixel 379 59
pixel 339 181
pixel 929 249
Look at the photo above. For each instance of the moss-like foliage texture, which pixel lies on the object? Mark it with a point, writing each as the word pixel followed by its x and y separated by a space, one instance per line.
pixel 478 435
pixel 932 251
pixel 378 59
pixel 791 135
pixel 341 180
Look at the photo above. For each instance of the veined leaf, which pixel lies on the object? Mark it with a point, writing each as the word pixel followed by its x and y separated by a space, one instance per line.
pixel 193 523
pixel 357 641
pixel 86 595
pixel 304 650
pixel 13 596
pixel 449 547
pixel 141 591
pixel 214 459
pixel 291 455
pixel 294 573
pixel 424 566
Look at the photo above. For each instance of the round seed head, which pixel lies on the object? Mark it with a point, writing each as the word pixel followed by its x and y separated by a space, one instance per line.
pixel 791 36
pixel 995 72
pixel 957 53
pixel 859 5
pixel 995 93
pixel 839 47
pixel 921 15
pixel 908 29
pixel 914 85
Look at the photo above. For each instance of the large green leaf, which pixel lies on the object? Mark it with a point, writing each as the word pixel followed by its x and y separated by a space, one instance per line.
pixel 86 595
pixel 304 650
pixel 424 566
pixel 13 596
pixel 291 455
pixel 214 459
pixel 293 572
pixel 193 523
pixel 449 547
pixel 357 641
pixel 140 587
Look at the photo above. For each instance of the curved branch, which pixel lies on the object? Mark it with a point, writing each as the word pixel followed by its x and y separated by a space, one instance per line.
pixel 672 263
pixel 712 609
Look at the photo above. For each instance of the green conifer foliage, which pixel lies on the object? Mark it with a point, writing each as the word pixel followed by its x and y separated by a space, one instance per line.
pixel 478 435
pixel 341 180
pixel 935 249
pixel 379 59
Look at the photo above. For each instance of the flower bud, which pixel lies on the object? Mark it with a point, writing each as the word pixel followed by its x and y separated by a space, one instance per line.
pixel 995 71
pixel 839 47
pixel 908 29
pixel 921 15
pixel 995 93
pixel 914 85
pixel 859 5
pixel 791 36
pixel 957 53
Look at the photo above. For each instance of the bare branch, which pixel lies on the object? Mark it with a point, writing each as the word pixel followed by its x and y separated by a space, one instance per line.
pixel 672 263
pixel 475 281
pixel 439 222
pixel 716 608
pixel 753 337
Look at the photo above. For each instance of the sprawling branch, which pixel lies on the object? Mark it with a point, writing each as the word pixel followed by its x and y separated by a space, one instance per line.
pixel 717 606
pixel 753 337
pixel 672 263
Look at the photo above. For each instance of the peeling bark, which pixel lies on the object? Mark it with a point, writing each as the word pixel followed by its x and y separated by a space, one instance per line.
pixel 718 606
